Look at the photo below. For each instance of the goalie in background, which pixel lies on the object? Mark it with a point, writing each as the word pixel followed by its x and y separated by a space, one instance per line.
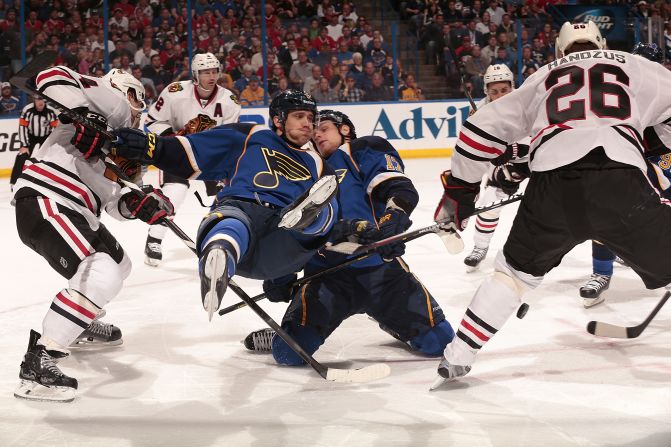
pixel 373 188
pixel 185 108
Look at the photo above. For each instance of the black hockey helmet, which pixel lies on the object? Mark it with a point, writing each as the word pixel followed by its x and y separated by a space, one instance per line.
pixel 290 100
pixel 338 118
pixel 649 51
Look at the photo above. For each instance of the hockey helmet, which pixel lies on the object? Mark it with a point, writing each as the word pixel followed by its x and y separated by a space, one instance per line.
pixel 288 101
pixel 650 51
pixel 498 73
pixel 337 118
pixel 203 61
pixel 571 33
pixel 122 80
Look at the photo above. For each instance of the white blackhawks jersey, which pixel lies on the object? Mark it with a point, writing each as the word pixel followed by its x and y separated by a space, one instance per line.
pixel 57 169
pixel 179 102
pixel 569 107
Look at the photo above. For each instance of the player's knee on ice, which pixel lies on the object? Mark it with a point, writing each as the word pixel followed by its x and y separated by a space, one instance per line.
pixel 433 342
pixel 306 337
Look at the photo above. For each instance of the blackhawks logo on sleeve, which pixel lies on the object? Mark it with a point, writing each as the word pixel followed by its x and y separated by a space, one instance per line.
pixel 175 87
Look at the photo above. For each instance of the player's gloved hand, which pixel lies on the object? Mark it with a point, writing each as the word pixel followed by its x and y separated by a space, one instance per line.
pixel 87 140
pixel 133 144
pixel 150 207
pixel 458 201
pixel 354 230
pixel 280 289
pixel 509 176
pixel 394 221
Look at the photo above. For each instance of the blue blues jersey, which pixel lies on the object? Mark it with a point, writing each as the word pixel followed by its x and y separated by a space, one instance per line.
pixel 259 164
pixel 660 174
pixel 370 172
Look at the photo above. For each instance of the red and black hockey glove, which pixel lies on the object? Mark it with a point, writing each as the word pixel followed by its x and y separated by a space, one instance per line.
pixel 150 207
pixel 509 176
pixel 458 201
pixel 87 140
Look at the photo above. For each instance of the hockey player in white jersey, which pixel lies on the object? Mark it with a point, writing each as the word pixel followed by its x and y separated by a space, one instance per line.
pixel 586 111
pixel 505 173
pixel 59 198
pixel 184 108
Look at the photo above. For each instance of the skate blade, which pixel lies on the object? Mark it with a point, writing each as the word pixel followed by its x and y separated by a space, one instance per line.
pixel 368 374
pixel 440 380
pixel 86 344
pixel 151 261
pixel 591 302
pixel 215 268
pixel 319 193
pixel 34 391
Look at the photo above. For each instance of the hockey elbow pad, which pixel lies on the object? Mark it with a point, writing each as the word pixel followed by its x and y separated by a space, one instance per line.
pixel 133 144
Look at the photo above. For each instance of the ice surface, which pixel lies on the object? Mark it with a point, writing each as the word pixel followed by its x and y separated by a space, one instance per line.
pixel 180 381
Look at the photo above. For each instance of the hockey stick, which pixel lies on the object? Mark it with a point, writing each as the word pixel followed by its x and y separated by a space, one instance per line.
pixel 460 67
pixel 601 329
pixel 441 228
pixel 359 375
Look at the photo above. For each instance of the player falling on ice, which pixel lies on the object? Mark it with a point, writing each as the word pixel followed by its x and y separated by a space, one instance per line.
pixel 372 188
pixel 280 206
pixel 59 198
pixel 505 173
pixel 586 111
pixel 184 108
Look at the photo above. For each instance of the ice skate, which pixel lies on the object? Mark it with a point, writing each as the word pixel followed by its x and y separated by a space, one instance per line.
pixel 448 373
pixel 98 334
pixel 303 211
pixel 152 250
pixel 214 268
pixel 475 258
pixel 40 377
pixel 260 341
pixel 591 292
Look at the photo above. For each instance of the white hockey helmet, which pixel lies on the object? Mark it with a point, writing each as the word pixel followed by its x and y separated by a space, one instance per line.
pixel 571 33
pixel 124 81
pixel 498 73
pixel 203 61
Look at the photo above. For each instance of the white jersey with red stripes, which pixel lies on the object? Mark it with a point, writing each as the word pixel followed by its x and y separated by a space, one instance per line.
pixel 57 169
pixel 180 102
pixel 569 107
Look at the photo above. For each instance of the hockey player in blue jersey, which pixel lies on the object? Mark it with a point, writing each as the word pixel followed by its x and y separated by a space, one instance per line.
pixel 280 205
pixel 372 188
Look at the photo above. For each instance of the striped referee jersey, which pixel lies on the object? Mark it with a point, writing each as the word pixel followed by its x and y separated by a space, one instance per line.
pixel 35 126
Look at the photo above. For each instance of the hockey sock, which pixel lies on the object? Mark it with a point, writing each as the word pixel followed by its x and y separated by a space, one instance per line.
pixel 176 192
pixel 485 223
pixel 602 259
pixel 494 302
pixel 233 231
pixel 433 341
pixel 306 337
pixel 70 313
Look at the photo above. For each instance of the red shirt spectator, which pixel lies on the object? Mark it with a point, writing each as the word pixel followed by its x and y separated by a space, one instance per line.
pixel 53 25
pixel 322 39
pixel 126 7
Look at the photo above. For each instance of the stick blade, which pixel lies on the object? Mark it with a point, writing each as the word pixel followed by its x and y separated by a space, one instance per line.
pixel 452 241
pixel 601 329
pixel 362 375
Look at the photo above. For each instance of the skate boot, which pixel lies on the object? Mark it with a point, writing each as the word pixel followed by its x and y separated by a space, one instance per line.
pixel 152 250
pixel 98 334
pixel 592 290
pixel 449 373
pixel 303 211
pixel 260 341
pixel 475 258
pixel 40 377
pixel 216 261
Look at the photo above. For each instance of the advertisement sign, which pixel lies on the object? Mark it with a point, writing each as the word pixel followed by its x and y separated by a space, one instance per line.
pixel 610 19
pixel 415 129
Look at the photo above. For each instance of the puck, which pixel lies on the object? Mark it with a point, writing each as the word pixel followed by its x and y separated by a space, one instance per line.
pixel 522 311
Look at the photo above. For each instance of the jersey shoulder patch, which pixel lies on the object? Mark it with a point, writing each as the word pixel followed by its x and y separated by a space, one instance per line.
pixel 235 99
pixel 175 87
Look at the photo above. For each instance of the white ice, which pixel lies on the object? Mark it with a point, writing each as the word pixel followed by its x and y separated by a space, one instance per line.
pixel 180 381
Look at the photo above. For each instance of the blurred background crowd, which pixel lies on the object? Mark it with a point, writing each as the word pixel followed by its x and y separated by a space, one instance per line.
pixel 340 51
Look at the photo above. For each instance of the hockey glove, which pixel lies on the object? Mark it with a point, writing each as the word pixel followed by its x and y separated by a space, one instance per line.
pixel 513 151
pixel 364 233
pixel 509 176
pixel 133 144
pixel 280 289
pixel 458 201
pixel 394 221
pixel 150 207
pixel 88 140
